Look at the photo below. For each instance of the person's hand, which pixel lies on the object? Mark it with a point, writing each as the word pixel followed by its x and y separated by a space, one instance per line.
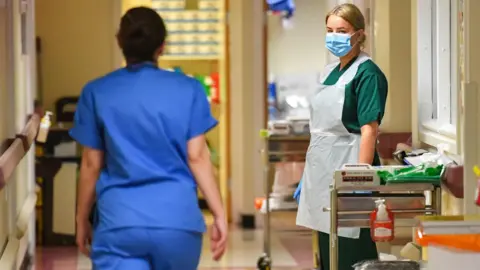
pixel 84 236
pixel 218 238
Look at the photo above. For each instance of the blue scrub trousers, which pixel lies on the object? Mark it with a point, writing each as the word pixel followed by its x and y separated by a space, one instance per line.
pixel 146 249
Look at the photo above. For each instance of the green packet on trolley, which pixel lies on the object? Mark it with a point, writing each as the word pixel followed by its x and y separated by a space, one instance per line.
pixel 424 173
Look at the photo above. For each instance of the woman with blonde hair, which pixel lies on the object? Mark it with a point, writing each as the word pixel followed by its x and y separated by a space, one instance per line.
pixel 346 112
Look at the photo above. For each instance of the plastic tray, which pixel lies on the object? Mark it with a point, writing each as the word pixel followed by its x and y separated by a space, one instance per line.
pixel 387 265
pixel 411 180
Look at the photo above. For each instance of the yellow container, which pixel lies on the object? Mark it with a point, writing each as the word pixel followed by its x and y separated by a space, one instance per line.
pixel 183 38
pixel 182 27
pixel 172 15
pixel 175 49
pixel 203 27
pixel 208 38
pixel 209 5
pixel 190 15
pixel 168 5
pixel 208 15
pixel 208 49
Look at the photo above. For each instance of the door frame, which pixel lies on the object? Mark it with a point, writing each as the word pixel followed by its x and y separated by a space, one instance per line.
pixel 21 89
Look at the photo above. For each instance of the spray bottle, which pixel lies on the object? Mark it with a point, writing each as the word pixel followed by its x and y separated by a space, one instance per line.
pixel 45 124
pixel 382 222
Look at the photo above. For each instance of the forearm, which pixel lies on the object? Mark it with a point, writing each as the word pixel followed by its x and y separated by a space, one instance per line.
pixel 367 147
pixel 202 170
pixel 86 192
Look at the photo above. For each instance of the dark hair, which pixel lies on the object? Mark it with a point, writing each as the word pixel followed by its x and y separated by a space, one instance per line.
pixel 142 32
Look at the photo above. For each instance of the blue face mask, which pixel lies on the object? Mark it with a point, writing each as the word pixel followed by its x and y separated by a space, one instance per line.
pixel 338 44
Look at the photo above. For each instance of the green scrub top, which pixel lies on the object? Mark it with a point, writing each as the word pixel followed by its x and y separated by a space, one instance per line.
pixel 365 96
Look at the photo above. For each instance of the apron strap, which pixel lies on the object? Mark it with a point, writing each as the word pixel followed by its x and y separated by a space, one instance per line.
pixel 326 71
pixel 362 57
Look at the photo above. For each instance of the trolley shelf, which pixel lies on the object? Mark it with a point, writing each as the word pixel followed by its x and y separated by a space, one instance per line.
pixel 406 188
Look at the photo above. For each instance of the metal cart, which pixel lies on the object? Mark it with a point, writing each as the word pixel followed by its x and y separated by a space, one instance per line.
pixel 350 209
pixel 277 148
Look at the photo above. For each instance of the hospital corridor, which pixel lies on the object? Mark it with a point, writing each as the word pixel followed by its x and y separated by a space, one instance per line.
pixel 291 251
pixel 239 134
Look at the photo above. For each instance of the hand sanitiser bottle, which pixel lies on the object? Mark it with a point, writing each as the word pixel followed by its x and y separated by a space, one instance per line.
pixel 382 223
pixel 45 124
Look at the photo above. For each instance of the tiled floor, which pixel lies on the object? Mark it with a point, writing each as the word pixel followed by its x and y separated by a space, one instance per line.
pixel 291 250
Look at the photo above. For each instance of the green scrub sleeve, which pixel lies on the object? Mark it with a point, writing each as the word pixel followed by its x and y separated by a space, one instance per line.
pixel 371 98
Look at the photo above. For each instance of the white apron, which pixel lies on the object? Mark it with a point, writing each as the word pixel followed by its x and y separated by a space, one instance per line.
pixel 331 146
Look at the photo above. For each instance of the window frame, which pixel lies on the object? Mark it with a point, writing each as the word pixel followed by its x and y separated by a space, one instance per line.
pixel 444 129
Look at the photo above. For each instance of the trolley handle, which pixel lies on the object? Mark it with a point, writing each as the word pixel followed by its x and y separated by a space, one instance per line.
pixel 397 211
pixel 359 165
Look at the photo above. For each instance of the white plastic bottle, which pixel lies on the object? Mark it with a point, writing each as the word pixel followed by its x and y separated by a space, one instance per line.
pixel 45 125
pixel 382 214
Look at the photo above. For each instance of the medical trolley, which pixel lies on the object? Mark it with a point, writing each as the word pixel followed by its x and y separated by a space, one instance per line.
pixel 277 148
pixel 356 188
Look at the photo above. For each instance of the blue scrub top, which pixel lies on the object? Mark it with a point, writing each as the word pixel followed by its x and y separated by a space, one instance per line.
pixel 142 118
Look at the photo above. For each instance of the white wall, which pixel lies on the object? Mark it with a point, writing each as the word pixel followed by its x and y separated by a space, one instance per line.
pixel 77 44
pixel 301 49
pixel 246 112
pixel 18 85
pixel 5 109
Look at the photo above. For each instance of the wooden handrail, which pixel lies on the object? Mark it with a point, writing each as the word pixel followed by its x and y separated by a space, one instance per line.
pixel 25 214
pixel 29 132
pixel 15 149
pixel 9 160
pixel 9 256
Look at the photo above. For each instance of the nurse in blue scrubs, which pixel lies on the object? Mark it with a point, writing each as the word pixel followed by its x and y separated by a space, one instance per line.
pixel 144 154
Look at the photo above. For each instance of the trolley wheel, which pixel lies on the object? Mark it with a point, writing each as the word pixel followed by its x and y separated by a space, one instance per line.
pixel 264 263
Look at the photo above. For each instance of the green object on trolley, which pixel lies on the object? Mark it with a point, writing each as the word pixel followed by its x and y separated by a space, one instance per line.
pixel 414 174
pixel 206 82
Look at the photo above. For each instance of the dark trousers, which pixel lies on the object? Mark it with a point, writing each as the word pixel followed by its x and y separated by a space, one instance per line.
pixel 350 251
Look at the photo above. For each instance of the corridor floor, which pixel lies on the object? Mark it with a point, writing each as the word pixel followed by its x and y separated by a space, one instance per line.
pixel 291 250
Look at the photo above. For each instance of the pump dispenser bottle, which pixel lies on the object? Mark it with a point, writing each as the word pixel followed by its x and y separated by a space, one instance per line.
pixel 45 124
pixel 382 222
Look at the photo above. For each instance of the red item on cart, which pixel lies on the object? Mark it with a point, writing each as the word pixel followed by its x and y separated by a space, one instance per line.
pixel 259 203
pixel 477 193
pixel 215 88
pixel 382 223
